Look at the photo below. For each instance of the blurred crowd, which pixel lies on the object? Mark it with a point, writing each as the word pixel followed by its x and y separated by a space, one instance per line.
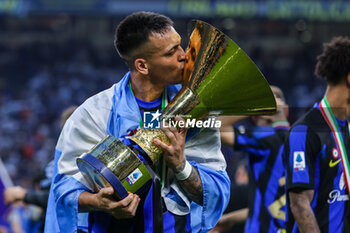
pixel 30 108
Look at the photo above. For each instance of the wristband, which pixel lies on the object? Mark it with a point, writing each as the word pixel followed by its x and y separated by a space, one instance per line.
pixel 185 173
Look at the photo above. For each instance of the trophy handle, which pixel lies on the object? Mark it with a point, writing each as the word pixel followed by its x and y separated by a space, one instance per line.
pixel 144 138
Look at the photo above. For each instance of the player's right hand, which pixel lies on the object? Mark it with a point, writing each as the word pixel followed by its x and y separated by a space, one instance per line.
pixel 122 209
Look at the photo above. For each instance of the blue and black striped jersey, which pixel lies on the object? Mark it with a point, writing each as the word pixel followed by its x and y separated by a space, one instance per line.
pixel 313 162
pixel 266 175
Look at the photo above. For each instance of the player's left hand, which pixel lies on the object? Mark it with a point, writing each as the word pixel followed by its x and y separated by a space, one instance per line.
pixel 174 154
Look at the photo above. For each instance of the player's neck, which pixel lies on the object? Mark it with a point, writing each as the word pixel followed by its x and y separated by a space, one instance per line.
pixel 338 99
pixel 144 90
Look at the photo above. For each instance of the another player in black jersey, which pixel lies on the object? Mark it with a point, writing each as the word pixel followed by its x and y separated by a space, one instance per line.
pixel 317 151
pixel 264 144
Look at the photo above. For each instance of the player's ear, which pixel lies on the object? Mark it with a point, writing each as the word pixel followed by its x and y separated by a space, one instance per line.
pixel 141 66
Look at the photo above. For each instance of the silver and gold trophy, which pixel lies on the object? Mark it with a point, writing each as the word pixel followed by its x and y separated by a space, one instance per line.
pixel 219 79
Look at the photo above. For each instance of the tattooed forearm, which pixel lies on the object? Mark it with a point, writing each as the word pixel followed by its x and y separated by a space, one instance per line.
pixel 302 212
pixel 181 167
pixel 193 187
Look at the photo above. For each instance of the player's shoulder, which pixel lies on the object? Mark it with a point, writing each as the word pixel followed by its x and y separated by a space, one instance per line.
pixel 96 106
pixel 311 120
pixel 102 99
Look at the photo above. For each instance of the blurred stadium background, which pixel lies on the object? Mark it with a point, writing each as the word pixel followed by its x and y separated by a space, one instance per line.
pixel 55 53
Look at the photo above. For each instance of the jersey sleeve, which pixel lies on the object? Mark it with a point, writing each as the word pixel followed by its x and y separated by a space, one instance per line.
pixel 301 149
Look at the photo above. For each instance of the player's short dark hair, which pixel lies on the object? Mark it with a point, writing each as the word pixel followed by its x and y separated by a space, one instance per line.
pixel 334 63
pixel 134 31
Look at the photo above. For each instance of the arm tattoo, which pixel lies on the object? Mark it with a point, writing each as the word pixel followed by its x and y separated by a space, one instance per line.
pixel 181 167
pixel 193 186
pixel 303 214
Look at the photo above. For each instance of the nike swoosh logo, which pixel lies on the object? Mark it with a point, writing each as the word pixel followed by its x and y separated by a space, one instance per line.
pixel 333 163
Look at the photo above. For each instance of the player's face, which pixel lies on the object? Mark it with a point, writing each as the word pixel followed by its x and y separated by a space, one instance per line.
pixel 166 62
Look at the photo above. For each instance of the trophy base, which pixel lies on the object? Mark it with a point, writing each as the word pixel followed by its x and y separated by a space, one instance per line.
pixel 100 177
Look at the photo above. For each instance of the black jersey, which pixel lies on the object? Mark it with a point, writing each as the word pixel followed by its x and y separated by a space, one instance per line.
pixel 267 199
pixel 313 162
